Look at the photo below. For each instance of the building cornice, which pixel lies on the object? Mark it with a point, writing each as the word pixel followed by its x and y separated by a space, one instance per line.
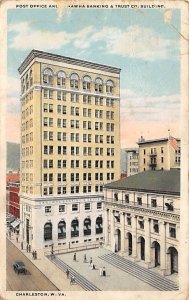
pixel 144 191
pixel 163 140
pixel 68 60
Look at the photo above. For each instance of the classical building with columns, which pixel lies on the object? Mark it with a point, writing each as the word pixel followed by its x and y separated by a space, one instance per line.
pixel 142 218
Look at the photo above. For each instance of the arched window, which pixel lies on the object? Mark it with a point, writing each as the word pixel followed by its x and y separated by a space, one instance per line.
pixel 31 78
pixel 61 78
pixel 98 85
pixel 23 85
pixel 62 230
pixel 86 83
pixel 74 81
pixel 99 228
pixel 47 76
pixel 48 231
pixel 27 82
pixel 109 86
pixel 75 228
pixel 87 226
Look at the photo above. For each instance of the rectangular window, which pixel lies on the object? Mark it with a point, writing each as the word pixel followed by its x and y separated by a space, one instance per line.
pixel 139 200
pixel 156 226
pixel 47 209
pixel 153 202
pixel 61 208
pixel 172 230
pixel 99 205
pixel 87 206
pixel 50 163
pixel 74 207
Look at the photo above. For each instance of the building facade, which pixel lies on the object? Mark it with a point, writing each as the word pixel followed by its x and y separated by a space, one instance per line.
pixel 14 199
pixel 70 137
pixel 159 154
pixel 132 161
pixel 142 218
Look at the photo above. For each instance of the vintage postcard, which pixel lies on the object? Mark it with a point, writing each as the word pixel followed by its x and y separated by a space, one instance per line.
pixel 94 149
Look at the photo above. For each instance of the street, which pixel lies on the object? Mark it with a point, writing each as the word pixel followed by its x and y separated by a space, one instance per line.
pixel 34 280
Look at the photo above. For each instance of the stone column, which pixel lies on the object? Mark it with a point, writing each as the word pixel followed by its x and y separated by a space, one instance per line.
pixel 147 242
pixel 162 247
pixel 122 220
pixel 134 237
pixel 106 225
pixel 112 231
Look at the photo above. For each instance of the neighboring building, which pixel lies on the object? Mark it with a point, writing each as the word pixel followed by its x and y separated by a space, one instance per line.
pixel 123 161
pixel 14 199
pixel 142 217
pixel 132 161
pixel 70 139
pixel 12 177
pixel 159 154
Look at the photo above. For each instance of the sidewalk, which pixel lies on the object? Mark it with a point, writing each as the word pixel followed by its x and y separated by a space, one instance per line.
pixel 54 274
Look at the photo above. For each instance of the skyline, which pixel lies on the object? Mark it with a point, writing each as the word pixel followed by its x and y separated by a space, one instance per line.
pixel 144 44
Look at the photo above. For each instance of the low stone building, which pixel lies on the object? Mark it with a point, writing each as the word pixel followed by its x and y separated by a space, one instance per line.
pixel 142 218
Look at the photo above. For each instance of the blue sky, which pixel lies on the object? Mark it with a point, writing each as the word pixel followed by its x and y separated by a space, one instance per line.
pixel 143 43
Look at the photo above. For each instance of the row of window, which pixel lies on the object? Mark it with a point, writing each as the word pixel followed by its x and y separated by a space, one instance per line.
pixel 73 176
pixel 86 125
pixel 75 137
pixel 63 150
pixel 74 207
pixel 27 98
pixel 155 225
pixel 139 202
pixel 86 99
pixel 62 232
pixel 78 163
pixel 60 79
pixel 28 111
pixel 77 176
pixel 61 190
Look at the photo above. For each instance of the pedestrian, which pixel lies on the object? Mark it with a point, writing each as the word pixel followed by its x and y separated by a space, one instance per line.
pixel 17 239
pixel 29 248
pixel 100 271
pixel 85 258
pixel 21 245
pixel 74 257
pixel 33 254
pixel 91 260
pixel 104 271
pixel 67 273
pixel 72 280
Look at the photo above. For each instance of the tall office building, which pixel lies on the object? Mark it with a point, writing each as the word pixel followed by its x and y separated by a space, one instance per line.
pixel 70 139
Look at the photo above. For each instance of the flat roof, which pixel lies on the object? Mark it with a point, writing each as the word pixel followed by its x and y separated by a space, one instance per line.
pixel 73 61
pixel 156 141
pixel 158 181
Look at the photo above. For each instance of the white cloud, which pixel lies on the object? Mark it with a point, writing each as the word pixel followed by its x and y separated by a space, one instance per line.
pixel 26 38
pixel 135 42
pixel 163 108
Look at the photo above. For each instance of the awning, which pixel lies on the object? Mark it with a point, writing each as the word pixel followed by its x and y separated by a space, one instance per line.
pixel 15 223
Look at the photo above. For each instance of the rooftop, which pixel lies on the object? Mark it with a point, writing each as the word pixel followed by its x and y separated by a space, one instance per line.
pixel 64 59
pixel 159 181
pixel 143 141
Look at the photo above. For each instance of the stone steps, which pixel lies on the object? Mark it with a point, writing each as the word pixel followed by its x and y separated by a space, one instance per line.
pixel 79 279
pixel 146 275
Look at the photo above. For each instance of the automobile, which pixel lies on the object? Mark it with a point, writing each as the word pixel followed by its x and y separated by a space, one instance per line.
pixel 19 267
